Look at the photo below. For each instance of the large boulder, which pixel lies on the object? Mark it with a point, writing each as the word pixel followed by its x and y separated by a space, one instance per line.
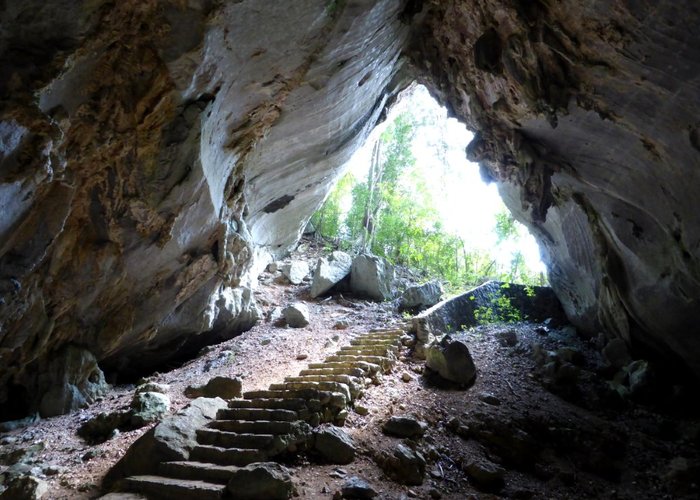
pixel 421 296
pixel 25 488
pixel 268 480
pixel 451 359
pixel 334 445
pixel 404 465
pixel 73 380
pixel 147 407
pixel 170 440
pixel 404 427
pixel 372 277
pixel 330 272
pixel 296 315
pixel 296 271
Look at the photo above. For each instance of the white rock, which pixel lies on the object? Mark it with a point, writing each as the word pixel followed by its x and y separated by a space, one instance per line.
pixel 372 277
pixel 297 315
pixel 330 272
pixel 295 271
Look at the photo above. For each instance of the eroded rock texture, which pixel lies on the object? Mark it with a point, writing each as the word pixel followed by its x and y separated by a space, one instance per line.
pixel 587 117
pixel 153 154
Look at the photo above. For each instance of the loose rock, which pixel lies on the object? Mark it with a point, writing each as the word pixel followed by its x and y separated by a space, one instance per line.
pixel 25 488
pixel 330 272
pixel 451 359
pixel 149 407
pixel 405 466
pixel 268 480
pixel 221 387
pixel 616 353
pixel 372 277
pixel 334 445
pixel 356 488
pixel 404 427
pixel 295 271
pixel 485 474
pixel 296 315
pixel 422 296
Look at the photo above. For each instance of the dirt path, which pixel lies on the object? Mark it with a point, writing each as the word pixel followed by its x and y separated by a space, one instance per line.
pixel 540 440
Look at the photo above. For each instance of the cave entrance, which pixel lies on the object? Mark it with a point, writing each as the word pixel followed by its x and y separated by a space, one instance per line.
pixel 411 196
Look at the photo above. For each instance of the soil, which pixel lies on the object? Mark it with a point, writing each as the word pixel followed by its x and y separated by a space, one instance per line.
pixel 551 440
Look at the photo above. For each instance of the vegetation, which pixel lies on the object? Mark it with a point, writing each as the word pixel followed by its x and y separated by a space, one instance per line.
pixel 391 213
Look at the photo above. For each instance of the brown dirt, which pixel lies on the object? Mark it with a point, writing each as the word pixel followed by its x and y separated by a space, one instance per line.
pixel 581 446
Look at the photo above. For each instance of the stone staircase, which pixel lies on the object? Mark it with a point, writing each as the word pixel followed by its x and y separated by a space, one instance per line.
pixel 263 425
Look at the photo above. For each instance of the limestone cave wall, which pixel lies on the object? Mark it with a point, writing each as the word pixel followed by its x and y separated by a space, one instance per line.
pixel 587 118
pixel 154 154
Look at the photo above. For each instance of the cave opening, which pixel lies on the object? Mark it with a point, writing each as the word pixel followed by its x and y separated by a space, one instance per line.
pixel 411 196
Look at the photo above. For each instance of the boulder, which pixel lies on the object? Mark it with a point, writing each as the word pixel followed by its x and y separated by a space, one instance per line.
pixel 103 426
pixel 330 272
pixel 357 489
pixel 296 315
pixel 451 359
pixel 421 296
pixel 616 353
pixel 221 387
pixel 153 387
pixel 147 407
pixel 372 277
pixel 73 380
pixel 404 427
pixel 334 445
pixel 268 480
pixel 295 271
pixel 25 488
pixel 170 440
pixel 405 466
pixel 485 474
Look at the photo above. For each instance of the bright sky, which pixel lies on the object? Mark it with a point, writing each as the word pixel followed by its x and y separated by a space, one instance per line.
pixel 467 205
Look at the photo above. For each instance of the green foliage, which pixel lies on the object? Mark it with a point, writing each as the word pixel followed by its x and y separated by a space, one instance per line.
pixel 500 310
pixel 392 214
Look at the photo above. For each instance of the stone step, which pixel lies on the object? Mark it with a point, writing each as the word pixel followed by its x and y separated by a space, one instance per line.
pixel 384 362
pixel 252 427
pixel 274 404
pixel 368 368
pixel 308 394
pixel 354 384
pixel 386 331
pixel 362 341
pixel 368 350
pixel 201 471
pixel 353 372
pixel 166 488
pixel 331 377
pixel 226 456
pixel 226 439
pixel 258 414
pixel 322 386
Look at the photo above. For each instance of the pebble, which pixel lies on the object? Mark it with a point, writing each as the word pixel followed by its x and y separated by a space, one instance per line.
pixel 361 410
pixel 302 356
pixel 406 377
pixel 489 398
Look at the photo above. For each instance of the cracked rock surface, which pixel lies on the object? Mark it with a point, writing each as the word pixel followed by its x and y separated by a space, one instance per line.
pixel 154 156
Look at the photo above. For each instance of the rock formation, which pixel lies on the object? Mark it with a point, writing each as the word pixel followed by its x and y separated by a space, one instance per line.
pixel 154 156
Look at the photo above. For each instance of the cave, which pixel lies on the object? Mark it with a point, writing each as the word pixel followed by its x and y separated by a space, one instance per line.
pixel 156 156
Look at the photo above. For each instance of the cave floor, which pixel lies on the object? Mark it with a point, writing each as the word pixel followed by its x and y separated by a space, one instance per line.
pixel 548 440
